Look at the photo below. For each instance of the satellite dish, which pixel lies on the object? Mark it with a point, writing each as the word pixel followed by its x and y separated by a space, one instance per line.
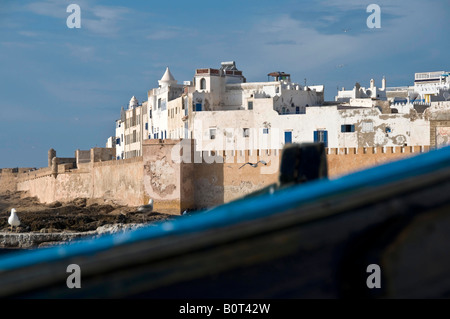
pixel 446 96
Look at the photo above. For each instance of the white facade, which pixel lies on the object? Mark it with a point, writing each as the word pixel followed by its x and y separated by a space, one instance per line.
pixel 227 89
pixel 264 128
pixel 120 138
pixel 222 111
pixel 158 100
pixel 131 129
pixel 111 142
pixel 432 86
pixel 428 87
pixel 357 95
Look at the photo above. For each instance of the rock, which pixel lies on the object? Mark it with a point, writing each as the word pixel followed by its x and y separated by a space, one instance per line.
pixel 81 202
pixel 118 211
pixel 115 228
pixel 55 204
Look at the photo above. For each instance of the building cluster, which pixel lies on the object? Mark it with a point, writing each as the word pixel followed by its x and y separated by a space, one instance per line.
pixel 220 110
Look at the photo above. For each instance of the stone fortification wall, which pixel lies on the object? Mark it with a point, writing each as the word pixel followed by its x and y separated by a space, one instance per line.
pixel 189 180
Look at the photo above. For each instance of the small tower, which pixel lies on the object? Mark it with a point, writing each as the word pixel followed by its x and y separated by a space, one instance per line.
pixel 167 79
pixel 133 103
pixel 51 154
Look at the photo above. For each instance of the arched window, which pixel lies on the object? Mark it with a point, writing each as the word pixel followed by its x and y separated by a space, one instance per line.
pixel 202 84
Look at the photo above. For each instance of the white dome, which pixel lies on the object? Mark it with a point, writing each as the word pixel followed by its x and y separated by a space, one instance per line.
pixel 133 102
pixel 167 78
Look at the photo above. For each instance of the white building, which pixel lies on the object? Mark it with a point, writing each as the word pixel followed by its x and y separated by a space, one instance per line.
pixel 428 87
pixel 111 142
pixel 226 89
pixel 131 129
pixel 158 99
pixel 222 111
pixel 263 128
pixel 361 96
pixel 432 86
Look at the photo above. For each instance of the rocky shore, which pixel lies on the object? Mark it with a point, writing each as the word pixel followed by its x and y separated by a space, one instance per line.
pixel 49 224
pixel 9 240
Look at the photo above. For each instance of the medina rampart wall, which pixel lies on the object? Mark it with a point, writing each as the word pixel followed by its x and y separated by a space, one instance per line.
pixel 116 181
pixel 193 181
pixel 8 178
pixel 342 161
pixel 196 180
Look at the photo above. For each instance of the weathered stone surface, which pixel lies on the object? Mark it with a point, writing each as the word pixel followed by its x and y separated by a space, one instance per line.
pixel 44 238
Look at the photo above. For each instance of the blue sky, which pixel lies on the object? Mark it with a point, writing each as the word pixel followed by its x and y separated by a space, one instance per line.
pixel 63 88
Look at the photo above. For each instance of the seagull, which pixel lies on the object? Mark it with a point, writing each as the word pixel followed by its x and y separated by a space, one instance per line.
pixel 14 220
pixel 253 165
pixel 146 208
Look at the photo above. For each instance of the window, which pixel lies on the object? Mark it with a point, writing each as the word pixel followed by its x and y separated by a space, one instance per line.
pixel 321 136
pixel 146 126
pixel 367 127
pixel 250 105
pixel 347 128
pixel 198 107
pixel 212 133
pixel 202 84
pixel 150 114
pixel 265 131
pixel 287 137
pixel 118 141
pixel 246 132
pixel 159 104
pixel 297 110
pixel 134 136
